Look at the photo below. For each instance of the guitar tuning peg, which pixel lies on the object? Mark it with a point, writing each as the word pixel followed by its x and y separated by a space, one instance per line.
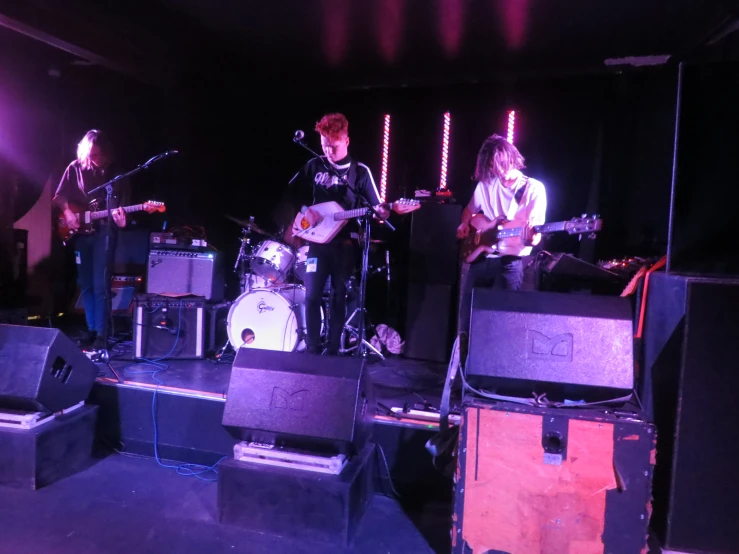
pixel 583 216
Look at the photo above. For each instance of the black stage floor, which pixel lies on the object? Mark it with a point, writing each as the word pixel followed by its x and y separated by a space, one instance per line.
pixel 124 504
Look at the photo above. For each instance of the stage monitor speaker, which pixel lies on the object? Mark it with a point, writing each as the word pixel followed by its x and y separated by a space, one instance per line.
pixel 575 345
pixel 691 362
pixel 321 403
pixel 42 370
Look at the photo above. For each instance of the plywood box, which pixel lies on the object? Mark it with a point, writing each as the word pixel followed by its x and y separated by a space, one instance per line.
pixel 551 481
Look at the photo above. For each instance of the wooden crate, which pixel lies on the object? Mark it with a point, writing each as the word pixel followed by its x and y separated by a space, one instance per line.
pixel 551 481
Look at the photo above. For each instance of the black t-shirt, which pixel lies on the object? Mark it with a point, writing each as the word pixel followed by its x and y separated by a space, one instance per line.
pixel 314 184
pixel 77 182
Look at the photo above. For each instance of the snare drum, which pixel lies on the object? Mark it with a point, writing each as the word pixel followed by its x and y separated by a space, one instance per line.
pixel 269 319
pixel 272 261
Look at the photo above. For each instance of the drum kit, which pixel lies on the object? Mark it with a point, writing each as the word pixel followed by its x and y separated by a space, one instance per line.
pixel 269 313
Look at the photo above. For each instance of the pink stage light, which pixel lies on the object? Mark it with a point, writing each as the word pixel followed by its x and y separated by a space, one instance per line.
pixel 389 21
pixel 445 149
pixel 511 125
pixel 385 156
pixel 451 21
pixel 514 20
pixel 335 30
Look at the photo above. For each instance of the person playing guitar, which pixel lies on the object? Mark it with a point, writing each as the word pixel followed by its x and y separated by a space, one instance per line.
pixel 94 166
pixel 312 185
pixel 503 194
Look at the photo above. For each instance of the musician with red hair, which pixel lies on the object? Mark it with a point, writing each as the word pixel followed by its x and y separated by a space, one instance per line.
pixel 314 184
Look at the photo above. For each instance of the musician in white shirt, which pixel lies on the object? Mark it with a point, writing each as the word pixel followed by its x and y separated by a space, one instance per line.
pixel 502 191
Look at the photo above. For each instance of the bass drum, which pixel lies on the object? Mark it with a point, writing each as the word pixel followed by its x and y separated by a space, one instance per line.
pixel 269 319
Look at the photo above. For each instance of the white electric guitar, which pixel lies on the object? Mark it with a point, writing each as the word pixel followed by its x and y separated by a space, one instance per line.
pixel 332 217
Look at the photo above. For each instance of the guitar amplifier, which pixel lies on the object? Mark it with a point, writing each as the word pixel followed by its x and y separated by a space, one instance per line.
pixel 123 288
pixel 171 328
pixel 185 272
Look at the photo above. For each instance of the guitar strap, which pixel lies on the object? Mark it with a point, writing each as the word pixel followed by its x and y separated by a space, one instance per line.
pixel 513 208
pixel 351 176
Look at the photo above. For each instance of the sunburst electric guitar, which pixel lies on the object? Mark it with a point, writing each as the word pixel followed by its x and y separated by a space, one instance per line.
pixel 332 217
pixel 87 217
pixel 500 236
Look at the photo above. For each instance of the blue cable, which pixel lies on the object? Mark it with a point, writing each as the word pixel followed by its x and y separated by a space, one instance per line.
pixel 185 469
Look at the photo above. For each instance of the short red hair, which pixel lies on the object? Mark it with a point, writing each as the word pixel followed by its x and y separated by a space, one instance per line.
pixel 333 126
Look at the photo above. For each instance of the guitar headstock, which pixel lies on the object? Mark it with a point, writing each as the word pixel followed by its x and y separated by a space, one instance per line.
pixel 405 206
pixel 583 224
pixel 151 206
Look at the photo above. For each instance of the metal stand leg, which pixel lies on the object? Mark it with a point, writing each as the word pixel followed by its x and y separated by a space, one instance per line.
pixel 351 331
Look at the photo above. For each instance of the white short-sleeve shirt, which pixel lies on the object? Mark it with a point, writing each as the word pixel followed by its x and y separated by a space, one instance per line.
pixel 494 200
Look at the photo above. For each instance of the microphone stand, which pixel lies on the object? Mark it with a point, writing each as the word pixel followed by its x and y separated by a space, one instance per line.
pixel 362 343
pixel 104 355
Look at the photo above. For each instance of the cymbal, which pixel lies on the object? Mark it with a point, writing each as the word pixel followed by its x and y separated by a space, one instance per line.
pixel 249 225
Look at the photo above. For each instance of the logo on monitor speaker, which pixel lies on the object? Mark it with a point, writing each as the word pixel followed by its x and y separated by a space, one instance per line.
pixel 554 349
pixel 283 400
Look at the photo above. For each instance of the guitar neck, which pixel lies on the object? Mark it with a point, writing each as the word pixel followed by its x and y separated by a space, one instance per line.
pixel 128 209
pixel 516 231
pixel 350 214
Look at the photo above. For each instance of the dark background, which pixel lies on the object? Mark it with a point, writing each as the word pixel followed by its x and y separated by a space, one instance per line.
pixel 229 85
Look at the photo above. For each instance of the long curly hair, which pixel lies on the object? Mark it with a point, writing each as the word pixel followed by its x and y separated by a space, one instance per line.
pixel 496 157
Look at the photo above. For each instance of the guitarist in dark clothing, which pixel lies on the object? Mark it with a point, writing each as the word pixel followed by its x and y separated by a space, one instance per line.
pixel 94 166
pixel 313 185
pixel 502 192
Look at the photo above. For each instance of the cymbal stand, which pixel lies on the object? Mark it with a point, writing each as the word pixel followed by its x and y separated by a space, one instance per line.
pixel 244 257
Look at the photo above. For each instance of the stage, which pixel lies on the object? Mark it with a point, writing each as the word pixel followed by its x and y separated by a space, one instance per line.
pixel 179 407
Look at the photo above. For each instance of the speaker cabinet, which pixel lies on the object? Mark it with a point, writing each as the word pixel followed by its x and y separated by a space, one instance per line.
pixel 551 342
pixel 172 328
pixel 432 277
pixel 691 355
pixel 301 400
pixel 42 370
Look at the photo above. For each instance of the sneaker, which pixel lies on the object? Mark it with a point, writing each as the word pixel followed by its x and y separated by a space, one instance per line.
pixel 86 339
pixel 98 344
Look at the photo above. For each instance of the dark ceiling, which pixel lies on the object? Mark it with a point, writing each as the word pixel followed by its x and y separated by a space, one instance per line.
pixel 366 42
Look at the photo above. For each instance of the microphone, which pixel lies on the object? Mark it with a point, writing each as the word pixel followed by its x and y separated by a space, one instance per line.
pixel 298 136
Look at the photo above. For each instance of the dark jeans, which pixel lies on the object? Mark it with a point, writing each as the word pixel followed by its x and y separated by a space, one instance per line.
pixel 90 259
pixel 505 272
pixel 335 260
